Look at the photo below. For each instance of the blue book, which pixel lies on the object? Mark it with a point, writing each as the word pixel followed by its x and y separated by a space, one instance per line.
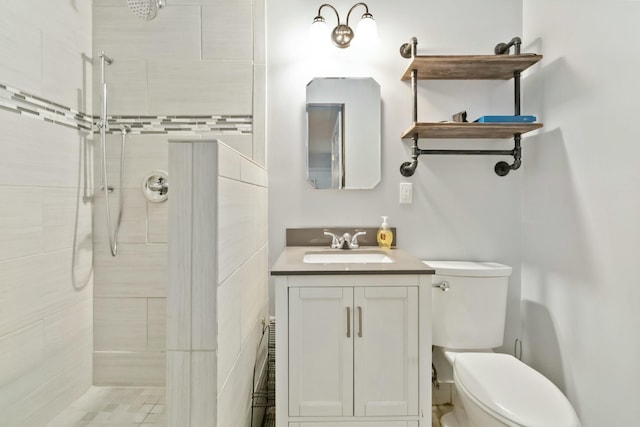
pixel 506 119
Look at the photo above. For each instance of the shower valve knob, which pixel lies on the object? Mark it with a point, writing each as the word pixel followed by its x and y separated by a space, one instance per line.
pixel 156 186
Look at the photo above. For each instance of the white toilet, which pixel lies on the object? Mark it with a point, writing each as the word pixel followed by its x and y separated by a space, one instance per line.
pixel 491 389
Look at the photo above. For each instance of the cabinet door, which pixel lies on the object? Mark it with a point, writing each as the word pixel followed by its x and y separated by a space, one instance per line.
pixel 386 351
pixel 320 352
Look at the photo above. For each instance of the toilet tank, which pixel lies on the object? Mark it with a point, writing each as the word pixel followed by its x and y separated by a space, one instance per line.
pixel 470 314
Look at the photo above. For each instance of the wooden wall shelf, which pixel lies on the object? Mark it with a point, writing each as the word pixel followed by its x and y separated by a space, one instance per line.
pixel 469 67
pixel 468 130
pixel 501 66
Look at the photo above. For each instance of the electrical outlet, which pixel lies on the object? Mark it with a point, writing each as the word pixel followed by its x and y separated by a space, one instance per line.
pixel 406 193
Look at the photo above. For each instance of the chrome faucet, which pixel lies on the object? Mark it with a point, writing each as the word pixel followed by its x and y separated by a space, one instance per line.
pixel 347 241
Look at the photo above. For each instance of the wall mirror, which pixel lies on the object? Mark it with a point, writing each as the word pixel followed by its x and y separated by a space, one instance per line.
pixel 343 133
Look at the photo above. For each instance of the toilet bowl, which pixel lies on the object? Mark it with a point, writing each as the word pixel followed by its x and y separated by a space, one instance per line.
pixel 491 389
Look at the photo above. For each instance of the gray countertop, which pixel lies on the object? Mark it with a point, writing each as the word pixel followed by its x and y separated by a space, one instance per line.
pixel 290 262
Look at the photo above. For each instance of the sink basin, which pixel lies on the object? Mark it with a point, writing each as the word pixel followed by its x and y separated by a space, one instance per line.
pixel 346 257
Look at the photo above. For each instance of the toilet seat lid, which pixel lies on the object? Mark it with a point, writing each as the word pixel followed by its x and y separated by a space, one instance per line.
pixel 469 268
pixel 513 390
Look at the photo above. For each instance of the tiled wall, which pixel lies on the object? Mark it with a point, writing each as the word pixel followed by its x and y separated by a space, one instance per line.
pixel 242 282
pixel 217 297
pixel 46 277
pixel 196 70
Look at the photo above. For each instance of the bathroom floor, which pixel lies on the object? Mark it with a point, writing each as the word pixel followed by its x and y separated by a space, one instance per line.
pixel 115 407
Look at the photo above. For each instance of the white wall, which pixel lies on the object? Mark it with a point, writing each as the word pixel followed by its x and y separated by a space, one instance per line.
pixel 46 279
pixel 580 207
pixel 461 209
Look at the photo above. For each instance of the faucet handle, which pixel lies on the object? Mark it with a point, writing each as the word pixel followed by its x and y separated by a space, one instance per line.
pixel 335 244
pixel 354 240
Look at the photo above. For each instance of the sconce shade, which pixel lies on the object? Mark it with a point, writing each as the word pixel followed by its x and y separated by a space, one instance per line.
pixel 367 31
pixel 318 33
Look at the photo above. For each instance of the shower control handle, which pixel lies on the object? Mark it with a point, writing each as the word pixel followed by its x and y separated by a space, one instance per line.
pixel 444 286
pixel 155 186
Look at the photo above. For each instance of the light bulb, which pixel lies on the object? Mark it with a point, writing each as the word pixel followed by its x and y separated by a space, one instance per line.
pixel 319 33
pixel 366 32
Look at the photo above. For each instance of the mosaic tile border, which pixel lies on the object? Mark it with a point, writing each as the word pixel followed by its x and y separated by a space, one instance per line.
pixel 20 102
pixel 17 101
pixel 182 125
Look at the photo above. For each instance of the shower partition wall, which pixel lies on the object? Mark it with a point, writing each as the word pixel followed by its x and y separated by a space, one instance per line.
pixel 217 297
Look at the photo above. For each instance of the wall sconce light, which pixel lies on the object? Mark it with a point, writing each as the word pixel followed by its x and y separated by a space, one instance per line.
pixel 343 34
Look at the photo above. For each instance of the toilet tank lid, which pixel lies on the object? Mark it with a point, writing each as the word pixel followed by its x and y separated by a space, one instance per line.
pixel 469 268
pixel 513 390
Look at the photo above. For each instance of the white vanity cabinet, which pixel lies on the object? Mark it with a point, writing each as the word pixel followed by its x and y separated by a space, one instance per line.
pixel 353 350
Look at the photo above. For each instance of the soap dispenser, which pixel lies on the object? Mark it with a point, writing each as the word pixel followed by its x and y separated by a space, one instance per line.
pixel 385 235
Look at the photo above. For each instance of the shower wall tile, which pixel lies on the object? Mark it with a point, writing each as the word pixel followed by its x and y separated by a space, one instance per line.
pixel 253 293
pixel 23 44
pixel 158 219
pixel 241 232
pixel 222 88
pixel 21 352
pixel 144 154
pixel 127 86
pixel 252 173
pixel 179 388
pixel 259 32
pixel 68 338
pixel 139 270
pixel 243 144
pixel 227 31
pixel 180 250
pixel 120 324
pixel 43 403
pixel 66 218
pixel 66 74
pixel 22 32
pixel 204 330
pixel 46 279
pixel 21 227
pixel 129 369
pixel 69 21
pixel 242 304
pixel 203 388
pixel 38 154
pixel 39 286
pixel 173 35
pixel 229 324
pixel 133 228
pixel 157 328
pixel 234 398
pixel 228 162
pixel 21 366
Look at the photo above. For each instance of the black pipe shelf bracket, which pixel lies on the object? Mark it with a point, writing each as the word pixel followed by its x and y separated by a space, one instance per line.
pixel 500 66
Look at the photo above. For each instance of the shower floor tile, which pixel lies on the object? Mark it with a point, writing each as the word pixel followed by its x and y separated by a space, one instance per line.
pixel 115 407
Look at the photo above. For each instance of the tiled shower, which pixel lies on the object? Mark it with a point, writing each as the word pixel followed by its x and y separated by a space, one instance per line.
pixel 71 315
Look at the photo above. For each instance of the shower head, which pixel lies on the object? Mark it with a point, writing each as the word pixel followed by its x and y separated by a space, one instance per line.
pixel 146 9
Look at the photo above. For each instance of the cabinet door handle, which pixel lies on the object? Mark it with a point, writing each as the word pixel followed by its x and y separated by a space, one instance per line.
pixel 360 321
pixel 348 322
